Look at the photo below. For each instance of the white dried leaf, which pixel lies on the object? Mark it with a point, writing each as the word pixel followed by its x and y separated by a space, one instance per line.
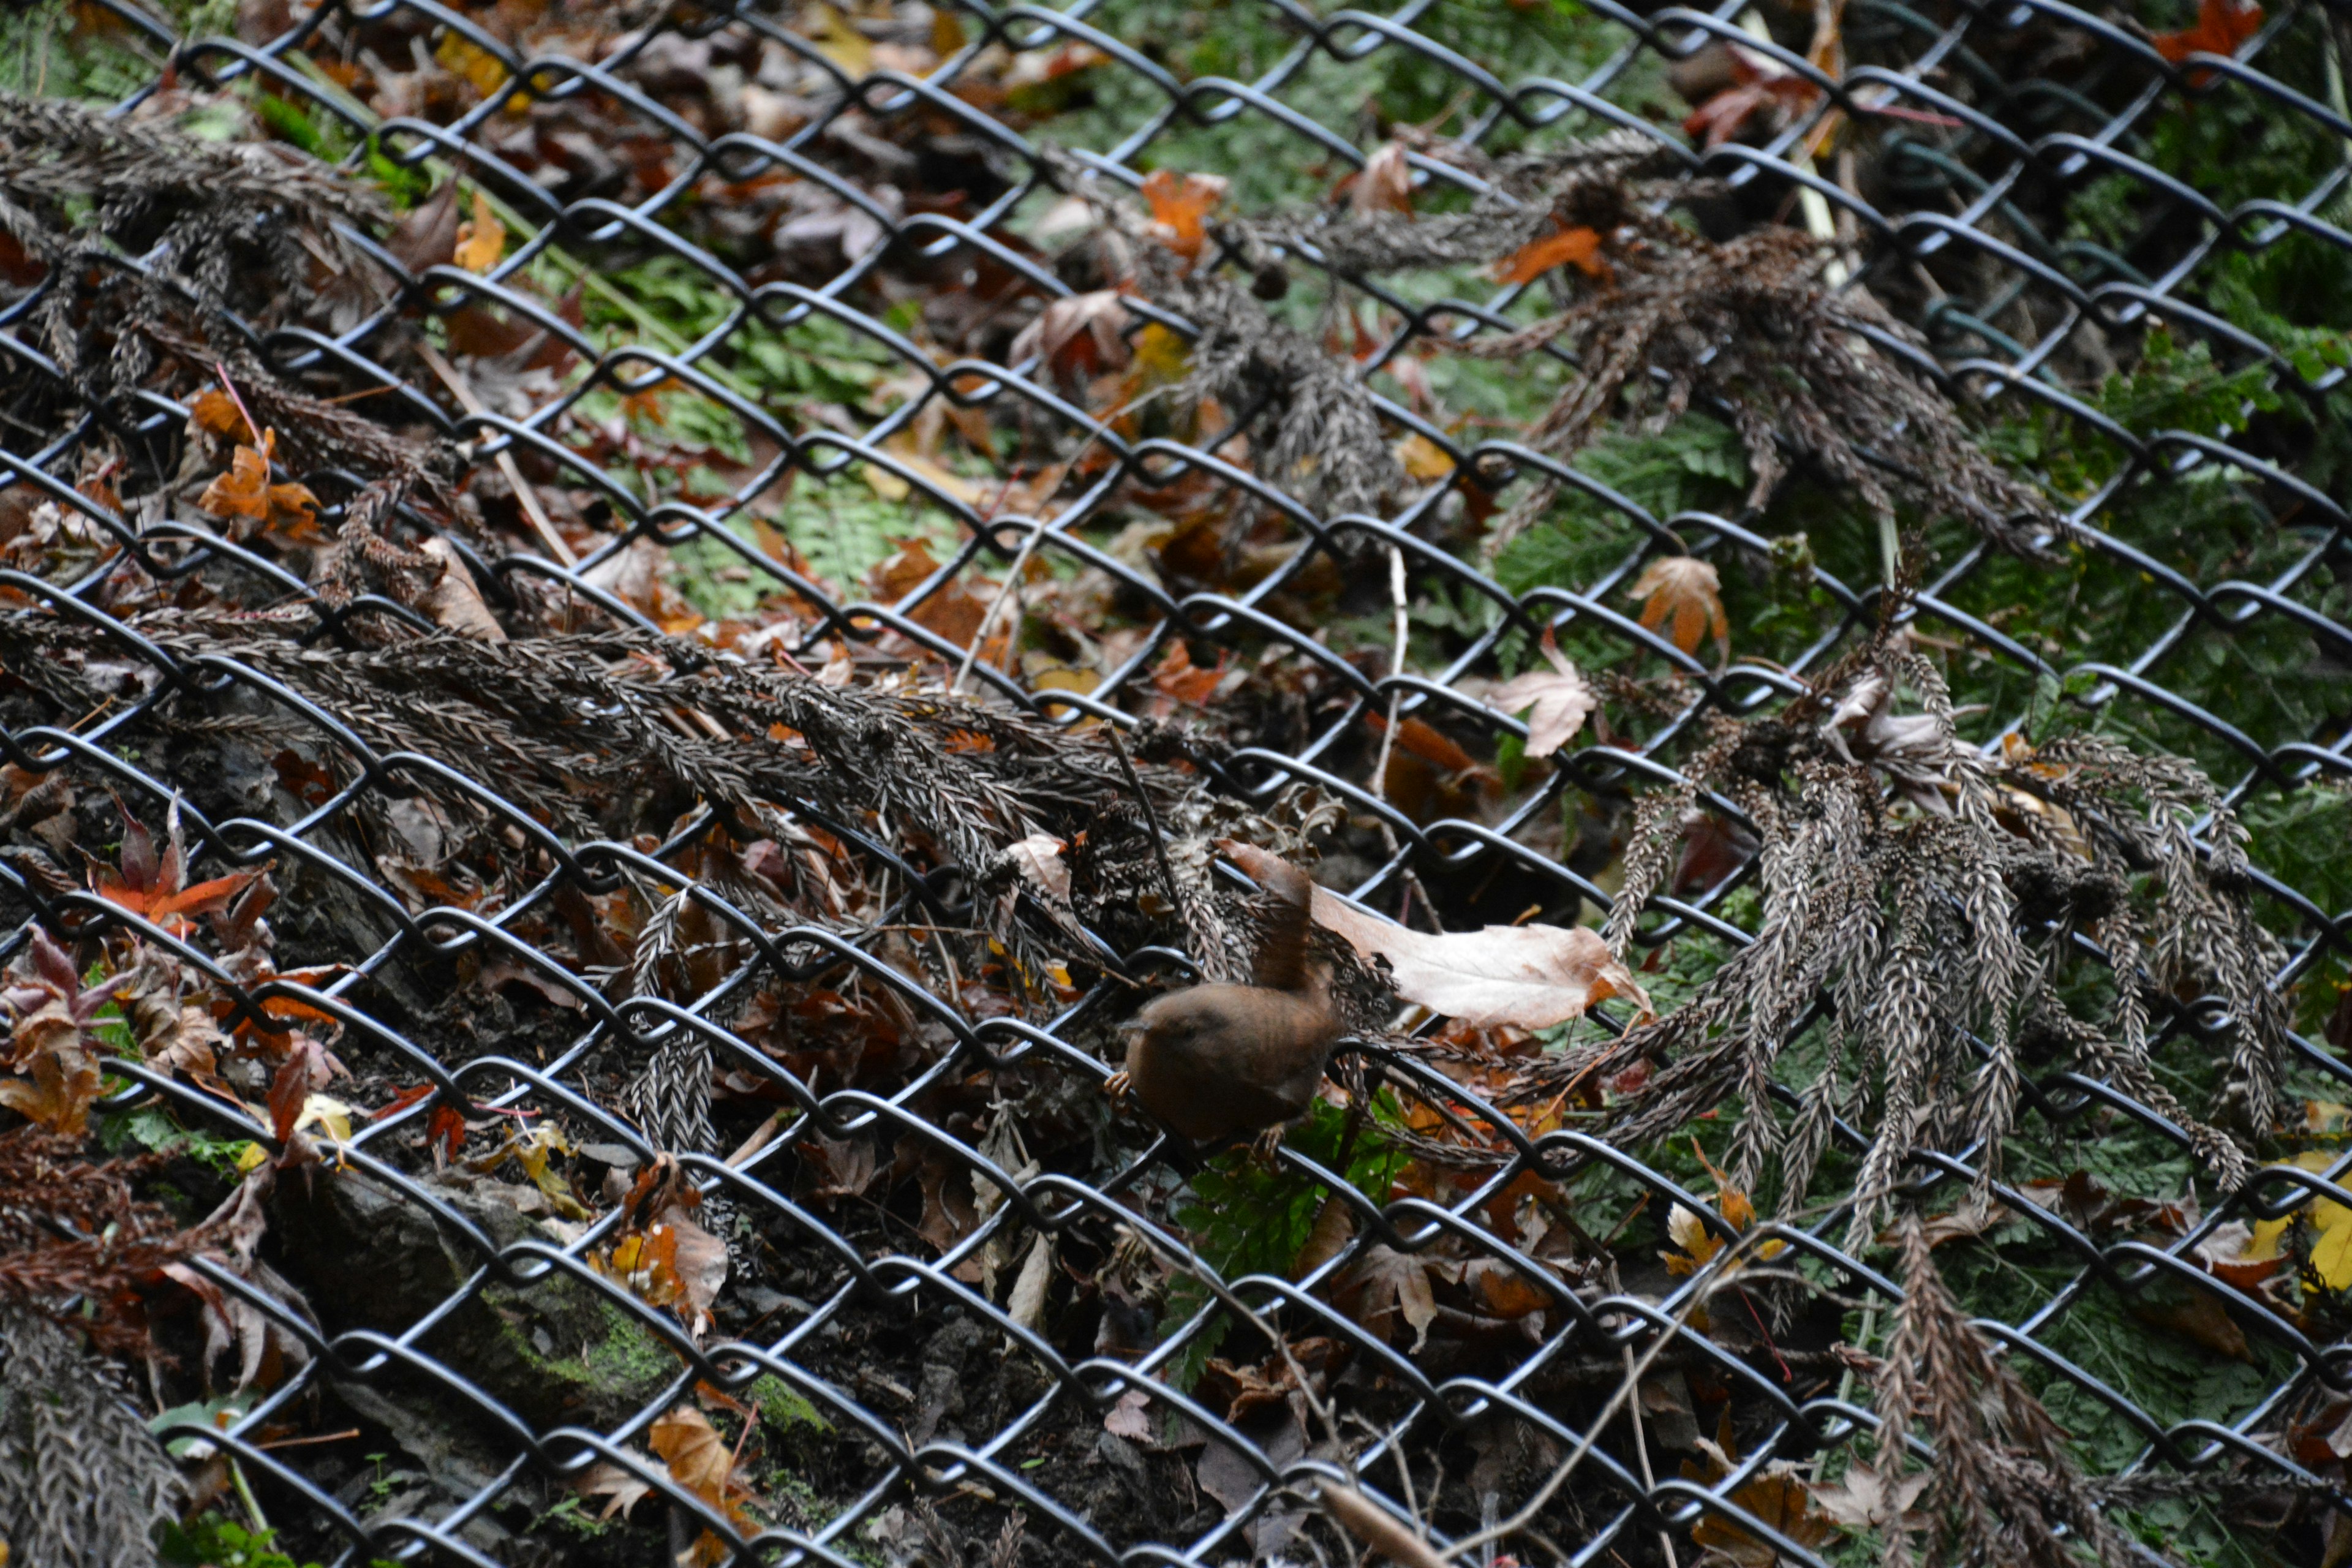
pixel 1532 976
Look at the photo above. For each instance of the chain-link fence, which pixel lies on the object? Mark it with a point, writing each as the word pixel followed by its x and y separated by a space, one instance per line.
pixel 919 1402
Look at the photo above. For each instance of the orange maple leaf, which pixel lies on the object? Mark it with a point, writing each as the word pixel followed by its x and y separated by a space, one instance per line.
pixel 1563 247
pixel 2221 26
pixel 290 512
pixel 1180 206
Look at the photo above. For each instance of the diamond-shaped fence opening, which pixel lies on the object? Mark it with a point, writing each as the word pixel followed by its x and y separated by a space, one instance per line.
pixel 715 334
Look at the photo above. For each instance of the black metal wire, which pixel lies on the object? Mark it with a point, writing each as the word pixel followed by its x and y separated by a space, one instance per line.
pixel 1969 165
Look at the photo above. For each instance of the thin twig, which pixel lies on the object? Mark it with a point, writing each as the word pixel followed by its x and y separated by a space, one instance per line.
pixel 541 524
pixel 1151 817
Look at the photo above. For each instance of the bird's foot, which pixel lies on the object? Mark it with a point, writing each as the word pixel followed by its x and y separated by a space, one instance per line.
pixel 1266 1148
pixel 1117 1086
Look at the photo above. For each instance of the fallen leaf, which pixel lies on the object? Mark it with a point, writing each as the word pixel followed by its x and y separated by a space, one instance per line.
pixel 1563 247
pixel 1759 81
pixel 2221 26
pixel 1180 208
pixel 1424 459
pixel 2199 1317
pixel 453 602
pixel 1559 698
pixel 1533 976
pixel 1777 1498
pixel 1129 1418
pixel 1386 1285
pixel 699 1460
pixel 839 42
pixel 1026 1305
pixel 1383 184
pixel 1081 336
pixel 482 242
pixel 619 1489
pixel 1334 1227
pixel 1039 859
pixel 1862 1500
pixel 216 414
pixel 1687 591
pixel 1178 677
pixel 244 494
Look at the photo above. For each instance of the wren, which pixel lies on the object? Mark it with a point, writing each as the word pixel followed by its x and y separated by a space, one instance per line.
pixel 1214 1062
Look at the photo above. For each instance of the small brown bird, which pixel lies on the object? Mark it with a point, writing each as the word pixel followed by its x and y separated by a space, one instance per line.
pixel 1220 1061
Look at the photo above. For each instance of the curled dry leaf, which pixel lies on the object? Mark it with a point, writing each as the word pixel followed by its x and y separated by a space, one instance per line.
pixel 1563 247
pixel 1559 695
pixel 1685 594
pixel 1383 184
pixel 1533 976
pixel 1039 859
pixel 1026 1305
pixel 1083 335
pixel 453 601
pixel 620 1491
pixel 482 242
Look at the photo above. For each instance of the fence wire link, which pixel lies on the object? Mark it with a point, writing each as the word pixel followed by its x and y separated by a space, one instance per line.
pixel 1975 161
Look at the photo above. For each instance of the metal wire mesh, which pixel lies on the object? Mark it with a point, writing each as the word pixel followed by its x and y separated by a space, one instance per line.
pixel 1980 158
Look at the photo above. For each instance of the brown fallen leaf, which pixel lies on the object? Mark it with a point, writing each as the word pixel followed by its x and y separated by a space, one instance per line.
pixel 1383 1286
pixel 1383 184
pixel 1533 976
pixel 1559 697
pixel 1778 1498
pixel 699 1460
pixel 1687 591
pixel 245 495
pixel 1079 337
pixel 453 602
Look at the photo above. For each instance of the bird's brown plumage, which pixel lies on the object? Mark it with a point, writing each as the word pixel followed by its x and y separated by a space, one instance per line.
pixel 1221 1061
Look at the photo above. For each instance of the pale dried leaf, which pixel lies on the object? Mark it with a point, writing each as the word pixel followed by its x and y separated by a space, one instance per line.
pixel 1533 976
pixel 453 602
pixel 1026 1305
pixel 1039 859
pixel 620 1491
pixel 1561 700
pixel 1862 1500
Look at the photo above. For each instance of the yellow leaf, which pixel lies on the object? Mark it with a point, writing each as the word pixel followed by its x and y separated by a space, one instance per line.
pixel 252 1154
pixel 2331 1255
pixel 1422 457
pixel 460 55
pixel 839 42
pixel 331 1117
pixel 483 242
pixel 884 483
